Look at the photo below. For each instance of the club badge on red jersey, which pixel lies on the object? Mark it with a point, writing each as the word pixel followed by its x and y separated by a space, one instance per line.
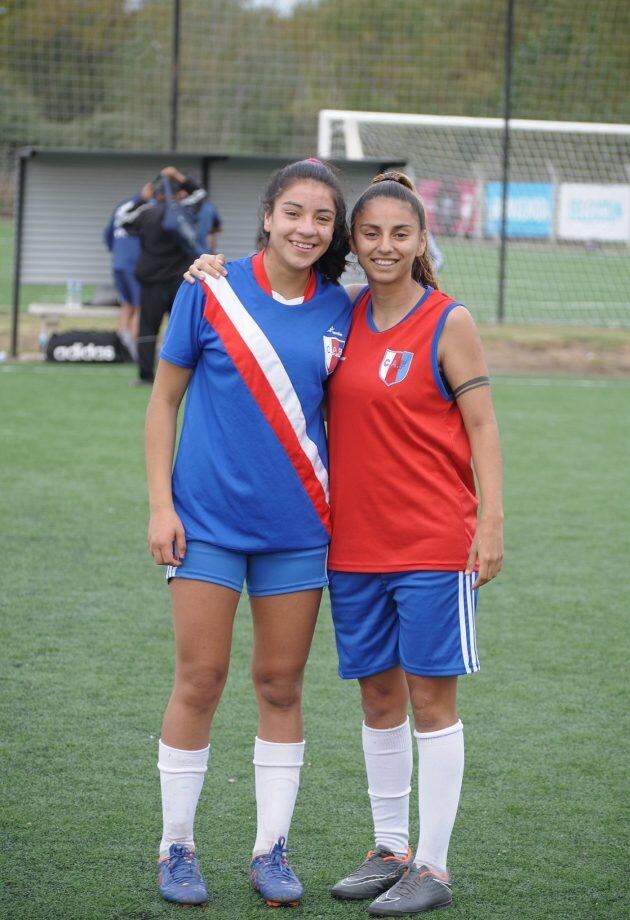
pixel 333 350
pixel 394 366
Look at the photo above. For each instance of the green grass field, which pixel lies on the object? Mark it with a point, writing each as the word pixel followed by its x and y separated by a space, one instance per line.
pixel 87 662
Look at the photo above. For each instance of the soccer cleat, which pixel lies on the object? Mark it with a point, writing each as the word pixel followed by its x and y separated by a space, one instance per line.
pixel 420 889
pixel 179 878
pixel 274 879
pixel 379 871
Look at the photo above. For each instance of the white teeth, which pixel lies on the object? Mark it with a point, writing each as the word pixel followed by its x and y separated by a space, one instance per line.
pixel 384 262
pixel 297 245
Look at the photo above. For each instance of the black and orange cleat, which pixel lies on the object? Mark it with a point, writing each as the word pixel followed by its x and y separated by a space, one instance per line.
pixel 420 889
pixel 380 869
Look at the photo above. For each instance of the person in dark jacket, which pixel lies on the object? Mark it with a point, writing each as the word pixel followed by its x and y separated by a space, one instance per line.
pixel 161 263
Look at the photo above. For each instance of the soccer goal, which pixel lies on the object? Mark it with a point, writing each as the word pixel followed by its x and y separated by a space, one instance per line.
pixel 568 207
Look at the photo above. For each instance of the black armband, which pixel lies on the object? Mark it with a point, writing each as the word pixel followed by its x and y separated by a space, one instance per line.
pixel 471 385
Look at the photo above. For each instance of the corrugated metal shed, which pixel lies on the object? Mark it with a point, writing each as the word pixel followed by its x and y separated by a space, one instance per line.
pixel 65 199
pixel 68 196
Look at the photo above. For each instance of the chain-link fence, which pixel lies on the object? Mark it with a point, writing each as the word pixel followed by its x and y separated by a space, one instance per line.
pixel 248 76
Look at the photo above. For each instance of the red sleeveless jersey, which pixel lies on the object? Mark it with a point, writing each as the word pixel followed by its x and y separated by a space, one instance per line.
pixel 401 480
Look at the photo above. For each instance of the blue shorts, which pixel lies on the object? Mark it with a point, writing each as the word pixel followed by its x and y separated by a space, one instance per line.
pixel 127 286
pixel 423 622
pixel 266 573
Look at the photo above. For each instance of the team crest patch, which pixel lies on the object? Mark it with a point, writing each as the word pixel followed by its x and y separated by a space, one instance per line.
pixel 333 349
pixel 394 366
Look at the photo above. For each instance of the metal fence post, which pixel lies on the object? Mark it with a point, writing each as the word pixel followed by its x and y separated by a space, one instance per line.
pixel 175 74
pixel 507 114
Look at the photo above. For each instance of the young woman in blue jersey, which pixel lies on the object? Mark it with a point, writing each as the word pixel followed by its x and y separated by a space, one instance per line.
pixel 247 500
pixel 409 409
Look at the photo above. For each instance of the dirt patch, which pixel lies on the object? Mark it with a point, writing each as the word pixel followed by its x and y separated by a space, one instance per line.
pixel 536 350
pixel 582 359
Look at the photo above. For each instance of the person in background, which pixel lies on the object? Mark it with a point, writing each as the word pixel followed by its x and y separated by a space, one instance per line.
pixel 161 263
pixel 435 253
pixel 125 250
pixel 208 227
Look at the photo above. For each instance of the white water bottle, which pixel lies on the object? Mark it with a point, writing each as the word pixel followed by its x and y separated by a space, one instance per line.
pixel 73 293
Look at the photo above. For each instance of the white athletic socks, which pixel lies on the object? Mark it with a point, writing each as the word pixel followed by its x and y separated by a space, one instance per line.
pixel 277 782
pixel 277 769
pixel 440 772
pixel 181 778
pixel 389 764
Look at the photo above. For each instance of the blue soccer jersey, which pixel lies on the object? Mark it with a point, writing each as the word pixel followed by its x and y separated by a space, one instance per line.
pixel 125 249
pixel 251 472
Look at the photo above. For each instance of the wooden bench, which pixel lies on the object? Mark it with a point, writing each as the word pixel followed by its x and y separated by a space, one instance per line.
pixel 51 314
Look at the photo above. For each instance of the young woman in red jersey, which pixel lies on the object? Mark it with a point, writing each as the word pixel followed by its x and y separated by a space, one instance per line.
pixel 409 411
pixel 410 415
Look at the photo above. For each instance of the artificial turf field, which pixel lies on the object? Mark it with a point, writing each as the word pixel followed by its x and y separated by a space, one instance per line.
pixel 86 662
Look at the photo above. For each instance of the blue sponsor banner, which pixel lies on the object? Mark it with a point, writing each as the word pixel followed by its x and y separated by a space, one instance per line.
pixel 529 209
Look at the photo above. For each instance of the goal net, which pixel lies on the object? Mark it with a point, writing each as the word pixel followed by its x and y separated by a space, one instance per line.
pixel 567 232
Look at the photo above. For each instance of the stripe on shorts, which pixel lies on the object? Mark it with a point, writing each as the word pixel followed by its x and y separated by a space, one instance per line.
pixel 466 605
pixel 471 598
pixel 267 380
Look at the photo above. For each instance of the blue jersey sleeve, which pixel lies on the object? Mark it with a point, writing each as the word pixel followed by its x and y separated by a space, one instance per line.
pixel 108 234
pixel 182 342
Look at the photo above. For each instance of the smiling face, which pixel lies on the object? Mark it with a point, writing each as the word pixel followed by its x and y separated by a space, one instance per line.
pixel 300 225
pixel 387 238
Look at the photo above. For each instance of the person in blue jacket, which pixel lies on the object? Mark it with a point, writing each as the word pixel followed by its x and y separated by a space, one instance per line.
pixel 208 226
pixel 125 250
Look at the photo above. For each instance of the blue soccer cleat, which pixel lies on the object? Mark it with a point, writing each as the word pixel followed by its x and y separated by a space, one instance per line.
pixel 274 879
pixel 179 878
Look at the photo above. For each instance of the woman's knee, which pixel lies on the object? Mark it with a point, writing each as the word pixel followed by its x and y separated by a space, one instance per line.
pixel 199 688
pixel 434 703
pixel 280 691
pixel 384 700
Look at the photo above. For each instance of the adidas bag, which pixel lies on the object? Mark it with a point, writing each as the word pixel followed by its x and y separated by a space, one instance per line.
pixel 86 346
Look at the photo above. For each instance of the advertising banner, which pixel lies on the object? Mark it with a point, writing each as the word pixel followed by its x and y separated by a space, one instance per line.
pixel 450 205
pixel 594 212
pixel 529 210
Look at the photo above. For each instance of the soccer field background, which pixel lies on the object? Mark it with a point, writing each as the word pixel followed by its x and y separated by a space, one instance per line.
pixel 87 664
pixel 546 284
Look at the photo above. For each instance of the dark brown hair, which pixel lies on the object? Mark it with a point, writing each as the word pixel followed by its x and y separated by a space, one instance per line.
pixel 332 264
pixel 397 185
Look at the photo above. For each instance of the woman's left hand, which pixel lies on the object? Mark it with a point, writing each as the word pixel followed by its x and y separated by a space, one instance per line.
pixel 487 549
pixel 206 264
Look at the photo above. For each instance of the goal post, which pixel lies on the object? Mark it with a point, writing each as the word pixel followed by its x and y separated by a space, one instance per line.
pixel 568 206
pixel 350 121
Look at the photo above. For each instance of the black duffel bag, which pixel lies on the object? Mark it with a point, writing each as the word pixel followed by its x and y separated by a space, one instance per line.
pixel 86 346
